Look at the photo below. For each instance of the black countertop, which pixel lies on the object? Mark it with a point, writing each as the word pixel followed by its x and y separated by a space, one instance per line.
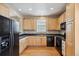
pixel 22 36
pixel 37 34
pixel 33 33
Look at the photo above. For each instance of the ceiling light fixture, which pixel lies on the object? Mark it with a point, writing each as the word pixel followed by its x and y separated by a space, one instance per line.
pixel 30 9
pixel 20 9
pixel 51 8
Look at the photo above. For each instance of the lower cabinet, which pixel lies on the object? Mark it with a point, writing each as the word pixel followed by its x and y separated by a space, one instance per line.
pixel 37 41
pixel 44 41
pixel 4 10
pixel 23 43
pixel 31 41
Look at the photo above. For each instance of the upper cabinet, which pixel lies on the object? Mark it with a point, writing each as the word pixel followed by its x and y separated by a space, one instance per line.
pixel 4 10
pixel 52 24
pixel 29 24
pixel 70 11
pixel 62 18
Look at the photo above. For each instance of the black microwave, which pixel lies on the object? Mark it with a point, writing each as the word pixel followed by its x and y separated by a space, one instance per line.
pixel 63 26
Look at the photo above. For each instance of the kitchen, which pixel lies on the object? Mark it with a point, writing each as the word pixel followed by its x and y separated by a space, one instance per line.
pixel 48 30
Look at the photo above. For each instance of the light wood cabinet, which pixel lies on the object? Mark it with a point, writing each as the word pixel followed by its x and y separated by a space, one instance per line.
pixel 4 10
pixel 70 39
pixel 29 24
pixel 37 41
pixel 52 24
pixel 23 43
pixel 70 11
pixel 62 18
pixel 43 41
pixel 70 29
pixel 31 41
pixel 34 41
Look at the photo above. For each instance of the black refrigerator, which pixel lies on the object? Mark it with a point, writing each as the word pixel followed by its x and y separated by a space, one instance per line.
pixel 9 37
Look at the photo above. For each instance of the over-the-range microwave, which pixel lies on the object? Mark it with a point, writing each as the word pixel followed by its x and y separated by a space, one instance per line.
pixel 63 26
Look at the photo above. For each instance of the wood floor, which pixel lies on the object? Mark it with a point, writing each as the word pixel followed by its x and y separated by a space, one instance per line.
pixel 40 51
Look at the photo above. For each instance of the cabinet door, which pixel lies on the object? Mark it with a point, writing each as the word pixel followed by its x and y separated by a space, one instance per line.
pixel 26 25
pixel 37 41
pixel 43 41
pixel 29 24
pixel 70 11
pixel 32 24
pixel 4 10
pixel 23 43
pixel 34 41
pixel 52 24
pixel 30 41
pixel 62 18
pixel 70 39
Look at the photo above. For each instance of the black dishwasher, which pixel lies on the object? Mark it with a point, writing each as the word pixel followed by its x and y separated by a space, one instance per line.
pixel 50 41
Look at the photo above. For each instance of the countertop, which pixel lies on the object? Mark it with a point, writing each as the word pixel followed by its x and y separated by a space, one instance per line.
pixel 33 33
pixel 23 36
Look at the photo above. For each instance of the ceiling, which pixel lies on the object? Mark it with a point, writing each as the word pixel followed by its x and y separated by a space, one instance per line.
pixel 38 9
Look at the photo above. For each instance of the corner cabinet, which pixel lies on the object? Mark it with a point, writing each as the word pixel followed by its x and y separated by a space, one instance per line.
pixel 52 24
pixel 23 44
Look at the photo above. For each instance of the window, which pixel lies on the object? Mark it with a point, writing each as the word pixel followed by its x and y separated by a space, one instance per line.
pixel 41 25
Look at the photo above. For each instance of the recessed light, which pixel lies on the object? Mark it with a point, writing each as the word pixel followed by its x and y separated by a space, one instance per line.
pixel 20 9
pixel 30 9
pixel 51 8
